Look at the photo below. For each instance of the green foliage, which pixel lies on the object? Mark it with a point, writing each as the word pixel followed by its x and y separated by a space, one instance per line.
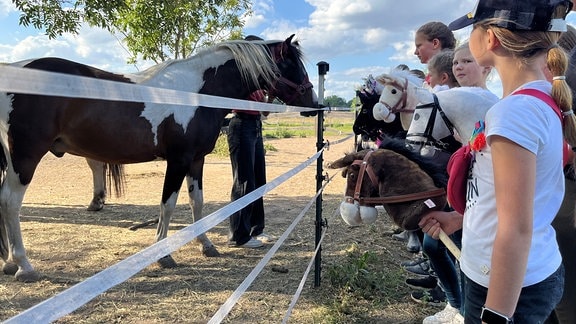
pixel 221 147
pixel 158 30
pixel 279 132
pixel 361 276
pixel 154 29
pixel 58 16
pixel 335 101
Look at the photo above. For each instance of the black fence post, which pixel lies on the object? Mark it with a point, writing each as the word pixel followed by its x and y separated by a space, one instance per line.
pixel 323 68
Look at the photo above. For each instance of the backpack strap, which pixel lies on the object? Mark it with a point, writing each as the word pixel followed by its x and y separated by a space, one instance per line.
pixel 566 149
pixel 544 97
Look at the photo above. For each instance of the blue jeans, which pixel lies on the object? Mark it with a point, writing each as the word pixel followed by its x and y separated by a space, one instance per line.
pixel 534 306
pixel 248 172
pixel 443 263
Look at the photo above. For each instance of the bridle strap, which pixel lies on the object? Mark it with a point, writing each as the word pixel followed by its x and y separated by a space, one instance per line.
pixel 300 89
pixel 400 106
pixel 436 108
pixel 364 169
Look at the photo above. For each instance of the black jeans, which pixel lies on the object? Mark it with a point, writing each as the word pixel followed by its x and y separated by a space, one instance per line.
pixel 249 172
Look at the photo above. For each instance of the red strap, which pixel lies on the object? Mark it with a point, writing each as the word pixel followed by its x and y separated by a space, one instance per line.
pixel 566 150
pixel 544 97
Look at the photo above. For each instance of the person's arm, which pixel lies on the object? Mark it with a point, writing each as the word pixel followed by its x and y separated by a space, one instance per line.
pixel 514 179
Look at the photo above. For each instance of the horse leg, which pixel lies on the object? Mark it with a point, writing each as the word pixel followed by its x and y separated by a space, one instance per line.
pixel 11 196
pixel 196 200
pixel 99 180
pixel 175 174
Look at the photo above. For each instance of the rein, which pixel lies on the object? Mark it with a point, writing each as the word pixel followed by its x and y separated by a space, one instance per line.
pixel 403 99
pixel 365 168
pixel 427 134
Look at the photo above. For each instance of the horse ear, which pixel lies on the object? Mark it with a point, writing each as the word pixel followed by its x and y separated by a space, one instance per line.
pixel 286 45
pixel 381 79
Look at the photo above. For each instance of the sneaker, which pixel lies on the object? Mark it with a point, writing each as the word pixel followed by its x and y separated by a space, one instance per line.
pixel 402 236
pixel 410 263
pixel 251 244
pixel 422 283
pixel 413 245
pixel 422 268
pixel 432 297
pixel 445 316
pixel 264 238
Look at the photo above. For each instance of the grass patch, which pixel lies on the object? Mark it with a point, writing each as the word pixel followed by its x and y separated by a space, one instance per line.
pixel 360 283
pixel 221 147
pixel 284 126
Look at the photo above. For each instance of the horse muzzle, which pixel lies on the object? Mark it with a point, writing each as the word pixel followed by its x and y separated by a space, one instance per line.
pixel 355 215
pixel 381 112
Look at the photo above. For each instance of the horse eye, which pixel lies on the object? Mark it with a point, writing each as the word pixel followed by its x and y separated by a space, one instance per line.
pixel 416 116
pixel 394 91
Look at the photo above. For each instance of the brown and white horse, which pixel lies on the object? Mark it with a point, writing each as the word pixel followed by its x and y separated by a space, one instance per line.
pixel 118 132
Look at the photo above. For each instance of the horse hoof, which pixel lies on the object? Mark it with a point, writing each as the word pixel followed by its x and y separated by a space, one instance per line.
pixel 10 268
pixel 27 276
pixel 167 262
pixel 96 205
pixel 210 251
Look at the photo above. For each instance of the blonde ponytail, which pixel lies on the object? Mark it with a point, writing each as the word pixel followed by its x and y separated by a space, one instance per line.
pixel 557 62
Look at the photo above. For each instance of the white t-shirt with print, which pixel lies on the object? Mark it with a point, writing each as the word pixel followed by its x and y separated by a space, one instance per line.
pixel 531 123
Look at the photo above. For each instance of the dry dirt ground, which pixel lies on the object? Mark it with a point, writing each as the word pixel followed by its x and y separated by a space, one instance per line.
pixel 68 244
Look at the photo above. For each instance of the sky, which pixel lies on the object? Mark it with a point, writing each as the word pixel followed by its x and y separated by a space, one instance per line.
pixel 356 38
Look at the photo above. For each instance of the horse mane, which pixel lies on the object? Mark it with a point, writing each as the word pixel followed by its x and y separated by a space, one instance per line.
pixel 436 172
pixel 396 74
pixel 370 87
pixel 252 57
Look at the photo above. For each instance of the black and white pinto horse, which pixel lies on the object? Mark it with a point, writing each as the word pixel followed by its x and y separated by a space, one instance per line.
pixel 130 132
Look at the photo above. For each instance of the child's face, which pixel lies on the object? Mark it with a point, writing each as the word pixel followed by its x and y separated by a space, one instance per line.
pixel 467 72
pixel 435 78
pixel 425 49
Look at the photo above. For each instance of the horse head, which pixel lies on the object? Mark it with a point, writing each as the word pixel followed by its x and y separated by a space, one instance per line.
pixel 405 183
pixel 353 167
pixel 291 84
pixel 439 114
pixel 365 124
pixel 397 96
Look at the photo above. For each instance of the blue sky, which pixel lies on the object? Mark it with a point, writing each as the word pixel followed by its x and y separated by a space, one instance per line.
pixel 356 38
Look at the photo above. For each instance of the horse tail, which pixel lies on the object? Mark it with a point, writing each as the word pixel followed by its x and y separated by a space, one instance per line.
pixel 117 177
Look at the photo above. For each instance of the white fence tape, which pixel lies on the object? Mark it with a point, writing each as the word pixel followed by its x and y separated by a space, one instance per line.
pixel 30 81
pixel 23 80
pixel 76 296
pixel 298 292
pixel 233 299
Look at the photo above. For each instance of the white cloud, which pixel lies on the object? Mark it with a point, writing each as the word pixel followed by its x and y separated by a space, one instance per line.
pixel 261 9
pixel 6 7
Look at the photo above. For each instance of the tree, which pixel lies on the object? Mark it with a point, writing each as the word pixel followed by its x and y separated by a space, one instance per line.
pixel 161 29
pixel 153 29
pixel 335 101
